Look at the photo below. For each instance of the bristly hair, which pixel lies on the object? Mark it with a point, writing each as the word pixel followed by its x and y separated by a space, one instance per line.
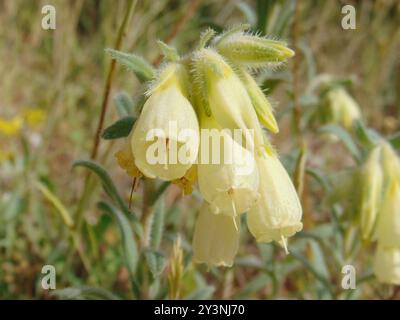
pixel 152 84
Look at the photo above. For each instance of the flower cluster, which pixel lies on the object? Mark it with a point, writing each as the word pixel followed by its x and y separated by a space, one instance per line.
pixel 211 90
pixel 380 210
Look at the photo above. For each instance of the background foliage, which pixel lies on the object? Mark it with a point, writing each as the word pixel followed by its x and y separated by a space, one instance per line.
pixel 52 212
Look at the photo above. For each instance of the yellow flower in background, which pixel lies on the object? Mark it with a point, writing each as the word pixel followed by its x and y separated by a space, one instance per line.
pixel 216 238
pixel 6 155
pixel 228 182
pixel 157 140
pixel 34 116
pixel 11 127
pixel 343 109
pixel 388 228
pixel 387 264
pixel 371 184
pixel 277 214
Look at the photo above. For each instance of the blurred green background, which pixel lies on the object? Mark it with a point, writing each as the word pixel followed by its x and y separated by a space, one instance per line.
pixel 51 91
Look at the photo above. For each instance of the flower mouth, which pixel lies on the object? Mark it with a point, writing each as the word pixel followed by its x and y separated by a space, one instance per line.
pixel 234 201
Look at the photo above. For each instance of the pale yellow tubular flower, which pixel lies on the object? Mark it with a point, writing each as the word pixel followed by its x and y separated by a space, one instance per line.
pixel 165 137
pixel 260 102
pixel 229 182
pixel 387 264
pixel 371 184
pixel 390 162
pixel 343 107
pixel 277 215
pixel 223 95
pixel 216 238
pixel 388 228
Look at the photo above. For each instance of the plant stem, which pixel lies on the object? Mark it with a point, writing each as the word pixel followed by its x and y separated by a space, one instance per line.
pixel 89 183
pixel 110 77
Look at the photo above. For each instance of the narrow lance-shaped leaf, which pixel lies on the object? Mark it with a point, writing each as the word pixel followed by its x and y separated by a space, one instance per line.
pixel 84 293
pixel 345 137
pixel 143 70
pixel 155 261
pixel 119 129
pixel 111 190
pixel 129 243
pixel 157 227
pixel 124 104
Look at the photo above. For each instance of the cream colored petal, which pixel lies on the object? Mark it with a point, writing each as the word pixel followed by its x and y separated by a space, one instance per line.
pixel 277 215
pixel 371 185
pixel 169 112
pixel 216 238
pixel 388 228
pixel 387 265
pixel 231 184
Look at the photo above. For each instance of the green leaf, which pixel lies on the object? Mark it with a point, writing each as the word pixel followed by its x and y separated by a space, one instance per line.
pixel 111 190
pixel 105 178
pixel 319 177
pixel 168 52
pixel 124 104
pixel 306 263
pixel 155 262
pixel 395 140
pixel 345 137
pixel 84 292
pixel 129 243
pixel 365 136
pixel 119 129
pixel 142 69
pixel 157 227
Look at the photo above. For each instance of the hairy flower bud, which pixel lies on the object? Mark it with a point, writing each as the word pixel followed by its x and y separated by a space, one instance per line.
pixel 277 215
pixel 260 102
pixel 253 50
pixel 222 94
pixel 165 137
pixel 216 238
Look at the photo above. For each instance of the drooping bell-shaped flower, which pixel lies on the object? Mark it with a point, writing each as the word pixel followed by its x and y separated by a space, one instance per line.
pixel 387 264
pixel 223 95
pixel 277 214
pixel 388 228
pixel 165 137
pixel 216 238
pixel 343 109
pixel 371 184
pixel 226 171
